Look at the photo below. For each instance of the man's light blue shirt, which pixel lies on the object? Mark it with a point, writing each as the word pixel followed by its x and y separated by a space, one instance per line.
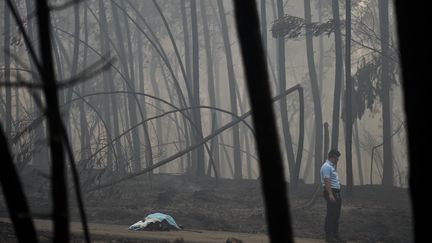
pixel 328 171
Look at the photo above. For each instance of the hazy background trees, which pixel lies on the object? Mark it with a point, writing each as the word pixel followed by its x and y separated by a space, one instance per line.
pixel 142 59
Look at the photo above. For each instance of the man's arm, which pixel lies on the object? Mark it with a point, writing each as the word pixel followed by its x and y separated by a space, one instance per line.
pixel 327 186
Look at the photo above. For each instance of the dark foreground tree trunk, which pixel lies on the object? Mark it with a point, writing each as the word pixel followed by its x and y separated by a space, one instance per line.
pixel 415 51
pixel 16 202
pixel 55 127
pixel 270 159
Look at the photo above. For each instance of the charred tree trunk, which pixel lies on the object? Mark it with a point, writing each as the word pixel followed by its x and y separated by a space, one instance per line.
pixel 415 51
pixel 315 92
pixel 40 158
pixel 147 142
pixel 74 66
pixel 55 127
pixel 358 153
pixel 338 76
pixel 264 24
pixel 238 170
pixel 187 66
pixel 211 85
pixel 84 135
pixel 111 106
pixel 326 139
pixel 283 103
pixel 348 100
pixel 131 102
pixel 388 177
pixel 19 211
pixel 277 208
pixel 199 152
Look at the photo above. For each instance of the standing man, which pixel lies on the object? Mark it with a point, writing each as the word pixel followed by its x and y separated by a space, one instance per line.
pixel 331 186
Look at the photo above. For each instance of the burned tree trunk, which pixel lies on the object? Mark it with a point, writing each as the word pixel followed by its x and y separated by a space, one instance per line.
pixel 238 174
pixel 283 104
pixel 348 100
pixel 199 153
pixel 19 211
pixel 277 208
pixel 338 76
pixel 315 91
pixel 388 176
pixel 56 130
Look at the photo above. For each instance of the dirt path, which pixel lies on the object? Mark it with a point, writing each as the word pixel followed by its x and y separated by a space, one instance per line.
pixel 202 236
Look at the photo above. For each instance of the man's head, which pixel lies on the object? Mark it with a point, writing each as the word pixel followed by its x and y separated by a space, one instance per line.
pixel 333 156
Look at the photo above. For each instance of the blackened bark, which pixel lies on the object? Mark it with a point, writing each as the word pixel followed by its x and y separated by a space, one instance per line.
pixel 19 211
pixel 348 99
pixel 55 127
pixel 238 170
pixel 283 104
pixel 273 179
pixel 199 153
pixel 315 92
pixel 130 85
pixel 338 76
pixel 388 174
pixel 415 51
pixel 111 105
pixel 211 86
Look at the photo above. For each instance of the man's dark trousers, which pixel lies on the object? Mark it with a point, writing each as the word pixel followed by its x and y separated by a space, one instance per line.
pixel 331 226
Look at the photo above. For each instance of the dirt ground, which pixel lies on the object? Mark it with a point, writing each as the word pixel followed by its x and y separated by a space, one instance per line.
pixel 371 214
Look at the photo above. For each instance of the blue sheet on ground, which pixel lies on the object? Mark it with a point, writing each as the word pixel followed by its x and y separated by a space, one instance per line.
pixel 161 217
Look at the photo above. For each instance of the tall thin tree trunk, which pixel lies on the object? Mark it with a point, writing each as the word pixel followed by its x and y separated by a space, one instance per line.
pixel 326 139
pixel 211 84
pixel 358 152
pixel 199 152
pixel 75 57
pixel 264 24
pixel 40 158
pixel 388 177
pixel 238 170
pixel 111 106
pixel 131 102
pixel 283 103
pixel 187 64
pixel 315 92
pixel 320 53
pixel 307 172
pixel 348 100
pixel 84 136
pixel 147 142
pixel 55 127
pixel 338 76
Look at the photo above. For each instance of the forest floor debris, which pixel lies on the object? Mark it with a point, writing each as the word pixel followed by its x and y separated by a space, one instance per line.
pixel 373 214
